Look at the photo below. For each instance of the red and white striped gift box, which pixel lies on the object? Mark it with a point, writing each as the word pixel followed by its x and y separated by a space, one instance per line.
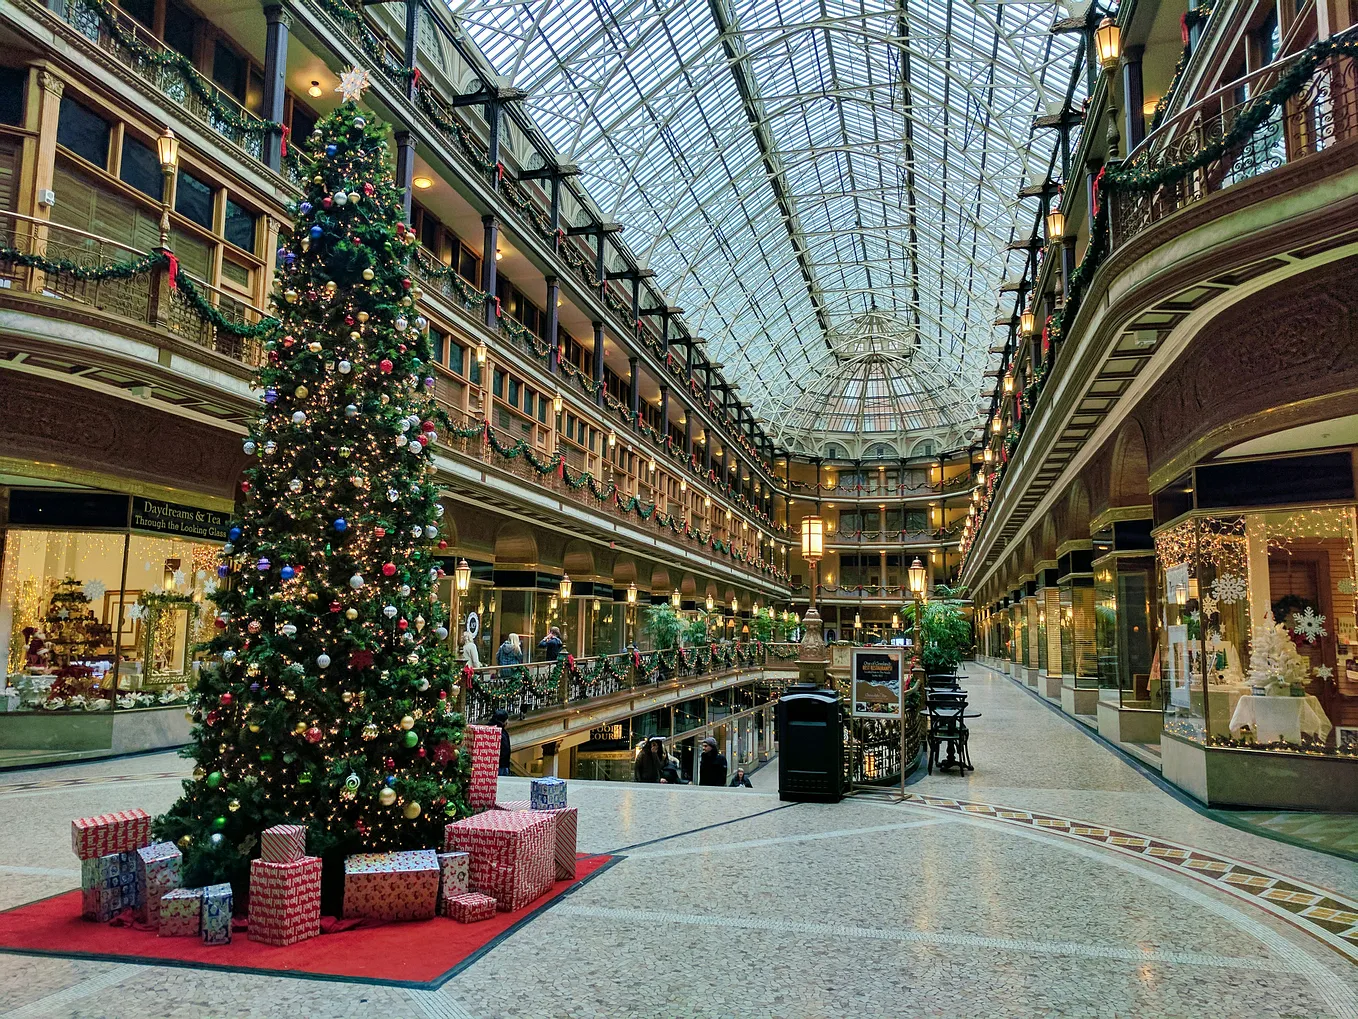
pixel 567 830
pixel 121 832
pixel 283 843
pixel 285 900
pixel 469 907
pixel 512 853
pixel 484 741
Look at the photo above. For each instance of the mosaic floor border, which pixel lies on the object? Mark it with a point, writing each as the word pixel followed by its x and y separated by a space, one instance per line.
pixel 1317 911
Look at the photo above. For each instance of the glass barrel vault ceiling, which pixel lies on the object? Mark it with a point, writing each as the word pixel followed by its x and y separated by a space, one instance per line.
pixel 827 189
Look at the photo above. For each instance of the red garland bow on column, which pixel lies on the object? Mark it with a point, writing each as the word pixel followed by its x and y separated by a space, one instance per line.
pixel 485 431
pixel 1098 185
pixel 498 312
pixel 283 145
pixel 172 268
pixel 499 172
pixel 414 77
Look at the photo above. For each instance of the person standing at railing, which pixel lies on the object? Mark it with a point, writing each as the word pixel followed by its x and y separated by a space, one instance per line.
pixel 470 655
pixel 510 652
pixel 551 644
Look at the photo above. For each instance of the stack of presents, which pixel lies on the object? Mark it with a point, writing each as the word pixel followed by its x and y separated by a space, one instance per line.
pixel 498 860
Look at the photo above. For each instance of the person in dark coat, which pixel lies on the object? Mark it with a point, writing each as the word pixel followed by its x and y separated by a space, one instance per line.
pixel 550 645
pixel 650 759
pixel 712 764
pixel 501 718
pixel 740 780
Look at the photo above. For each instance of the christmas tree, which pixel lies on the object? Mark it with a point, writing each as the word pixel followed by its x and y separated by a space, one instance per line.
pixel 1275 664
pixel 333 702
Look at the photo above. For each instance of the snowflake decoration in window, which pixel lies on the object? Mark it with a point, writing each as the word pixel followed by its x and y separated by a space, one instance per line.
pixel 1193 617
pixel 209 587
pixel 1323 672
pixel 1209 606
pixel 1229 588
pixel 137 611
pixel 179 578
pixel 1309 624
pixel 93 589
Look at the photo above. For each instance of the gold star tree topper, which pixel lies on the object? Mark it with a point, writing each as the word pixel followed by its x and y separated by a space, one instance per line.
pixel 352 83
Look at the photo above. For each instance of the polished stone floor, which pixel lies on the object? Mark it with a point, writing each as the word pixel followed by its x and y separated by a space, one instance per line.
pixel 1055 880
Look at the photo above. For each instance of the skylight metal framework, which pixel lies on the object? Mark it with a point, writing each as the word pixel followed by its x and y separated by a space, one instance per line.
pixel 826 187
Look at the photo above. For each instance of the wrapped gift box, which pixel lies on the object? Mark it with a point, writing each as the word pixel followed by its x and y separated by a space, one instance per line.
pixel 108 885
pixel 514 805
pixel 283 843
pixel 285 900
pixel 469 907
pixel 158 872
pixel 454 874
pixel 110 833
pixel 181 913
pixel 485 747
pixel 512 852
pixel 216 922
pixel 392 886
pixel 547 794
pixel 567 828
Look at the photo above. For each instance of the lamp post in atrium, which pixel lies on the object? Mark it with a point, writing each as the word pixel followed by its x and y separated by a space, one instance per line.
pixel 917 578
pixel 629 615
pixel 1108 46
pixel 811 658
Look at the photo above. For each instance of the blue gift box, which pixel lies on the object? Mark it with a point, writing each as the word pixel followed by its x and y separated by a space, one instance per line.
pixel 547 794
pixel 157 873
pixel 216 925
pixel 109 884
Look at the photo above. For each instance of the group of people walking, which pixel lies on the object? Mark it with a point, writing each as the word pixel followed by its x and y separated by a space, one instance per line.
pixel 654 763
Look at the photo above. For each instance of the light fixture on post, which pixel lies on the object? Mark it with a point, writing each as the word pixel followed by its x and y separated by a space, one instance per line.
pixel 989 454
pixel 650 467
pixel 556 402
pixel 1108 46
pixel 629 614
pixel 1026 322
pixel 565 586
pixel 811 658
pixel 167 147
pixel 917 576
pixel 996 425
pixel 481 353
pixel 1056 226
pixel 612 440
pixel 710 603
pixel 1008 383
pixel 674 600
pixel 462 582
pixel 735 605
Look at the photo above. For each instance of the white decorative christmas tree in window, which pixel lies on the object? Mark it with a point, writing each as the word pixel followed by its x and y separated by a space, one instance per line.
pixel 1275 664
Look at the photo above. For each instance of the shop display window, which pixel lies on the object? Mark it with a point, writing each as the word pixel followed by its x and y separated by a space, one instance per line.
pixel 96 621
pixel 1256 607
pixel 1124 636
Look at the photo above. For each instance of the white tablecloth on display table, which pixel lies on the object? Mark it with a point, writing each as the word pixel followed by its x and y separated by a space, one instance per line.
pixel 1280 718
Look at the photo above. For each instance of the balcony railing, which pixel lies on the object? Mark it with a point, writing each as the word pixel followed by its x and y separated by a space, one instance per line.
pixel 1254 137
pixel 144 297
pixel 542 686
pixel 901 537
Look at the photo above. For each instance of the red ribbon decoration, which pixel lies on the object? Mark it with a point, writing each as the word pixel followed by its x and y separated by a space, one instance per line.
pixel 172 268
pixel 1183 27
pixel 283 145
pixel 415 77
pixel 1098 183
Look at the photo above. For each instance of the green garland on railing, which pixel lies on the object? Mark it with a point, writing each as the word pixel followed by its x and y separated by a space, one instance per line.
pixel 1192 17
pixel 151 262
pixel 88 273
pixel 468 294
pixel 172 60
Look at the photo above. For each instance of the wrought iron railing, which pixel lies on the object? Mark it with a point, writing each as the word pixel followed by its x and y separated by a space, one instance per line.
pixel 539 686
pixel 1322 114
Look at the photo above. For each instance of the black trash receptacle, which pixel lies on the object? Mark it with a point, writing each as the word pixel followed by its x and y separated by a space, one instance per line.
pixel 810 744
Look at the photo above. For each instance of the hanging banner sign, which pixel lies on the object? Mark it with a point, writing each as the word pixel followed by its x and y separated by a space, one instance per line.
pixel 174 518
pixel 876 675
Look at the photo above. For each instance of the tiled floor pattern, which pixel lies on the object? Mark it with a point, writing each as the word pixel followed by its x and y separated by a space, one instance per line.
pixel 731 904
pixel 1329 831
pixel 1318 911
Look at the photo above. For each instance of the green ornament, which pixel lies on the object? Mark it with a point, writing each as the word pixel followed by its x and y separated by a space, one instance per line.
pixel 304 778
pixel 214 780
pixel 412 738
pixel 266 756
pixel 218 823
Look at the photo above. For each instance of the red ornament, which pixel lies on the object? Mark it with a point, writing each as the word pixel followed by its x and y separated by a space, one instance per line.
pixel 385 366
pixel 220 623
pixel 388 569
pixel 211 717
pixel 245 486
pixel 428 426
pixel 389 763
pixel 401 347
pixel 442 543
pixel 313 735
pixel 327 202
pixel 368 188
pixel 225 700
pixel 419 752
pixel 443 695
pixel 403 624
pixel 400 229
pixel 335 606
pixel 288 341
pixel 380 531
pixel 406 284
pixel 348 320
pixel 362 827
pixel 444 752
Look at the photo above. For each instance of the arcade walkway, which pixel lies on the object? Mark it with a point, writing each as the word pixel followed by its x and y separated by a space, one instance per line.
pixel 729 903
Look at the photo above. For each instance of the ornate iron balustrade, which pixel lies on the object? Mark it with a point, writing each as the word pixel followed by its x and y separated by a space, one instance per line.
pixel 1321 115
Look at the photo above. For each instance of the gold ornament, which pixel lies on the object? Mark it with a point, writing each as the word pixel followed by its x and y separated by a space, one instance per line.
pixel 387 796
pixel 301 392
pixel 346 697
pixel 354 335
pixel 368 274
pixel 199 774
pixel 299 728
pixel 185 842
pixel 351 613
pixel 253 727
pixel 290 296
pixel 407 722
pixel 370 731
pixel 363 315
pixel 331 286
pixel 314 346
pixel 411 810
pixel 233 806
